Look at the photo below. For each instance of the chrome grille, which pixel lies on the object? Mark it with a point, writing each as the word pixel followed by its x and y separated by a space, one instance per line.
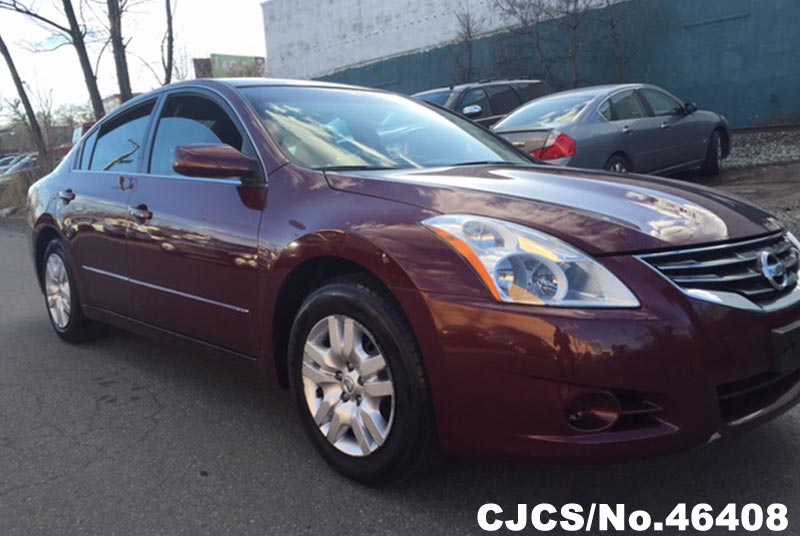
pixel 733 268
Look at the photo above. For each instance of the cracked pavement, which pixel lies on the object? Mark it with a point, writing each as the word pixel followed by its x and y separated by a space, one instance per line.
pixel 128 436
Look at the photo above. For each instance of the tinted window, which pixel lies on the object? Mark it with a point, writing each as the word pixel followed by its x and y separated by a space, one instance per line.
pixel 605 110
pixel 626 105
pixel 477 97
pixel 120 140
pixel 547 111
pixel 190 120
pixel 503 99
pixel 439 98
pixel 88 149
pixel 528 92
pixel 661 103
pixel 325 128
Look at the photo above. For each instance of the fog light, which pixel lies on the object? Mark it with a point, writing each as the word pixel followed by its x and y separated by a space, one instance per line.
pixel 594 412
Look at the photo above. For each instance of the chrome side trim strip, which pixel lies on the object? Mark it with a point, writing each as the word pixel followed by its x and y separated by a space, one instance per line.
pixel 167 290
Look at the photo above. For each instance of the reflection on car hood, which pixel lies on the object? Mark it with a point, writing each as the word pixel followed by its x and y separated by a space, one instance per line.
pixel 599 212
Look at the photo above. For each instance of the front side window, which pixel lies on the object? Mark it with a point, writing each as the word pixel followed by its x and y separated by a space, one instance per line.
pixel 661 103
pixel 119 141
pixel 190 120
pixel 477 97
pixel 329 128
pixel 626 105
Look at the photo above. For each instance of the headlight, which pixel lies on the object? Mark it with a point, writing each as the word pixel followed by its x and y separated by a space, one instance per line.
pixel 521 265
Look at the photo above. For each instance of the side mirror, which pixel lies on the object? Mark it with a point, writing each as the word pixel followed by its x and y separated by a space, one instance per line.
pixel 473 110
pixel 213 161
pixel 690 108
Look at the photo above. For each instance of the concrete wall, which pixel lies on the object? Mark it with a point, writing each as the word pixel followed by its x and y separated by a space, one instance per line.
pixel 311 38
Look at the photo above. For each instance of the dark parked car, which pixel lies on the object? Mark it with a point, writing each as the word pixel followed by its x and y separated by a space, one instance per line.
pixel 416 281
pixel 630 127
pixel 485 102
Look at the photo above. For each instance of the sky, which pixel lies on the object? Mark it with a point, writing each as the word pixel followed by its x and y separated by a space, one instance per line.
pixel 202 27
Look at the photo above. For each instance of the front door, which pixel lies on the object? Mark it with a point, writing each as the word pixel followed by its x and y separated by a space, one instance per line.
pixel 193 242
pixel 94 208
pixel 682 137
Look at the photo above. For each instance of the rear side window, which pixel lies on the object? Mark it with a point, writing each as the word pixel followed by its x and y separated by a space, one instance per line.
pixel 190 120
pixel 503 99
pixel 88 150
pixel 626 105
pixel 661 103
pixel 120 140
pixel 528 92
pixel 477 97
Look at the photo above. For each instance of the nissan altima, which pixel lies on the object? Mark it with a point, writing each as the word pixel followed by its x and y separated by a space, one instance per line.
pixel 417 283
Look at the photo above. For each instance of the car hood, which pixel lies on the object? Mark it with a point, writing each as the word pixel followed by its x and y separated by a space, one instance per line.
pixel 599 212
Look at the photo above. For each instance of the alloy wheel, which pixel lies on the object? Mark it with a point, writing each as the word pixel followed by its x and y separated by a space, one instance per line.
pixel 348 385
pixel 57 290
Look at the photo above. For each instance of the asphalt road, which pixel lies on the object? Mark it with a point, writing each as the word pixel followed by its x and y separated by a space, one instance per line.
pixel 126 436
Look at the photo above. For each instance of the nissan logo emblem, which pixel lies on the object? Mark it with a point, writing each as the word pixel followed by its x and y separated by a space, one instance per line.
pixel 773 269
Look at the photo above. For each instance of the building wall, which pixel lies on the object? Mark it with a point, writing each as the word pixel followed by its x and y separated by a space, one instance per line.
pixel 738 57
pixel 312 38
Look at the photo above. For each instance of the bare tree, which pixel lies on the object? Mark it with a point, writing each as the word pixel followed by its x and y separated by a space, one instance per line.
pixel 30 115
pixel 555 30
pixel 115 10
pixel 469 27
pixel 75 33
pixel 168 44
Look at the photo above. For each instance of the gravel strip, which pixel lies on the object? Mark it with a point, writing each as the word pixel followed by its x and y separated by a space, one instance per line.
pixel 764 148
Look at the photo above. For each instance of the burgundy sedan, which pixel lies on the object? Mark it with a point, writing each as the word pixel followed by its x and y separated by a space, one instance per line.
pixel 415 281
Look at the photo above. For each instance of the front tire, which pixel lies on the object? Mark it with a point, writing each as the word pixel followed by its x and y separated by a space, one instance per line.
pixel 713 163
pixel 358 381
pixel 61 297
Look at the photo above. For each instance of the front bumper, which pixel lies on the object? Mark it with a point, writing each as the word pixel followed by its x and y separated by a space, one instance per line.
pixel 503 376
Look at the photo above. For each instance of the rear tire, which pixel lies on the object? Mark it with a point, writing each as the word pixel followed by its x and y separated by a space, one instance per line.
pixel 399 439
pixel 618 164
pixel 61 297
pixel 713 163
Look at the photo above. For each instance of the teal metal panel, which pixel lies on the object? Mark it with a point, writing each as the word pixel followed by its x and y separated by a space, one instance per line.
pixel 738 57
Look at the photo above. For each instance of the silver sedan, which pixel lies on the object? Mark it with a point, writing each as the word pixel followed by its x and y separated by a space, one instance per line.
pixel 630 127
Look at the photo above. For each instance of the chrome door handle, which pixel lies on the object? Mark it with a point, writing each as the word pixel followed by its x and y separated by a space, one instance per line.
pixel 66 195
pixel 627 130
pixel 665 125
pixel 141 213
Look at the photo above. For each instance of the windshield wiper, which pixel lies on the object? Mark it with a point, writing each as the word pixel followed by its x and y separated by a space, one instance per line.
pixel 354 168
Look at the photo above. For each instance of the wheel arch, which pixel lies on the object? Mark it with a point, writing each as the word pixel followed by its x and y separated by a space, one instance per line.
pixel 306 268
pixel 44 232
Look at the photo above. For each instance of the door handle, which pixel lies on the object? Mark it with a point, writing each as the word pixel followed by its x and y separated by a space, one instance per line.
pixel 141 213
pixel 627 130
pixel 67 195
pixel 665 126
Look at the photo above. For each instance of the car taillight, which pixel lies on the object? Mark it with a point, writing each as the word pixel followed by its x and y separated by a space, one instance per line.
pixel 557 145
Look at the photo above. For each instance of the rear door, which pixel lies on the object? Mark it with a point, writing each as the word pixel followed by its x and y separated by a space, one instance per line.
pixel 94 208
pixel 683 138
pixel 193 242
pixel 504 99
pixel 640 134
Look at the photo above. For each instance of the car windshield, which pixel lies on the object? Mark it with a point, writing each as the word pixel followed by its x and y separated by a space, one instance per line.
pixel 439 98
pixel 547 111
pixel 332 128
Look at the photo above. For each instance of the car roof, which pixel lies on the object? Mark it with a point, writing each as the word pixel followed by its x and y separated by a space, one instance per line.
pixel 482 83
pixel 599 92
